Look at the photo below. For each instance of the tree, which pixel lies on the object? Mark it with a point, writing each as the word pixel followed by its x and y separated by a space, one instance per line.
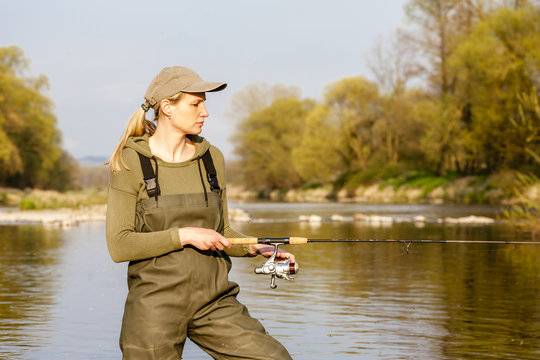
pixel 481 57
pixel 393 67
pixel 502 55
pixel 435 20
pixel 440 138
pixel 316 158
pixel 265 140
pixel 257 96
pixel 29 139
pixel 528 126
pixel 354 105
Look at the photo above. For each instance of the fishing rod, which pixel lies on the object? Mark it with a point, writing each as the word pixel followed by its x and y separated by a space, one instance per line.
pixel 285 269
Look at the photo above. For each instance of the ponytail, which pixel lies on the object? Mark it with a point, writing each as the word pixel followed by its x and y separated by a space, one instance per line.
pixel 137 126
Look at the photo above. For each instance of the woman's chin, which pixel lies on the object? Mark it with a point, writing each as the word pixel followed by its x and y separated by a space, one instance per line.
pixel 196 131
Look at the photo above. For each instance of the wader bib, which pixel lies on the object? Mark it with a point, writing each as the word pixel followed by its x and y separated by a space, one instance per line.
pixel 186 293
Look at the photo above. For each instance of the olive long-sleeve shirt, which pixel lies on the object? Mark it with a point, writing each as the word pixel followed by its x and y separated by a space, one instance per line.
pixel 127 187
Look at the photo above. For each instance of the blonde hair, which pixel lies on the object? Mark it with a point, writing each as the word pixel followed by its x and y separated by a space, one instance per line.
pixel 137 126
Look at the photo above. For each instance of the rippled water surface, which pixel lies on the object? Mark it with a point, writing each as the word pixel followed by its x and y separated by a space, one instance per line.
pixel 61 297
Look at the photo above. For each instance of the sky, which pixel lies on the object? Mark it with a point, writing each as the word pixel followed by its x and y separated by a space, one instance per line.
pixel 100 56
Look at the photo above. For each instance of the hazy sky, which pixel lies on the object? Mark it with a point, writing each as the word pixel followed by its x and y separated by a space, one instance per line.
pixel 100 55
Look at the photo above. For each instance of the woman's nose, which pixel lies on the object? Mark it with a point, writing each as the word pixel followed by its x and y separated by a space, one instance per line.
pixel 204 112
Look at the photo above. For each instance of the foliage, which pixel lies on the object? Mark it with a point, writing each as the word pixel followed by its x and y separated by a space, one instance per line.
pixel 527 188
pixel 476 112
pixel 30 153
pixel 310 157
pixel 50 199
pixel 526 211
pixel 500 60
pixel 527 126
pixel 371 175
pixel 266 141
pixel 255 97
pixel 354 105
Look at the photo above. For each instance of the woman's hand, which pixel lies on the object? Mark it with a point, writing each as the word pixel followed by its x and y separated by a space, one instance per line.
pixel 267 251
pixel 203 239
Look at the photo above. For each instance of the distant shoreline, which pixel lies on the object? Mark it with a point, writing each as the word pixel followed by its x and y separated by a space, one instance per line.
pixel 469 190
pixel 64 217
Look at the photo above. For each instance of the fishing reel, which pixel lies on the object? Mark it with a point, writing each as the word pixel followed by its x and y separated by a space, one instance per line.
pixel 280 269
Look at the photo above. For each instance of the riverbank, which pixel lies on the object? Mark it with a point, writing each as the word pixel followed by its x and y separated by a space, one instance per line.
pixel 35 199
pixel 64 217
pixel 49 207
pixel 493 190
pixel 71 208
pixel 498 189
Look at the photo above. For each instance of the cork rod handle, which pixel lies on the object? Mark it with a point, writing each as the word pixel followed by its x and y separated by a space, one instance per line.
pixel 294 240
pixel 242 241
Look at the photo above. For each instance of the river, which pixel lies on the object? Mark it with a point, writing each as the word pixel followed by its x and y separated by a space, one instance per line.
pixel 61 297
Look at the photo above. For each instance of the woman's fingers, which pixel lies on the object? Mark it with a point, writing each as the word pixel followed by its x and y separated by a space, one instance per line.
pixel 215 241
pixel 286 255
pixel 267 251
pixel 224 241
pixel 203 239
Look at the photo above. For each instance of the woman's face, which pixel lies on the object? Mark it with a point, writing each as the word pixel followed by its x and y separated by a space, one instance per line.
pixel 188 114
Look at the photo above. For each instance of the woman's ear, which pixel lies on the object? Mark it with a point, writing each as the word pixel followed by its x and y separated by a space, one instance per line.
pixel 165 107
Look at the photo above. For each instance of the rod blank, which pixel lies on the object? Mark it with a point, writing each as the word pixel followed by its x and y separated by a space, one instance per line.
pixel 302 240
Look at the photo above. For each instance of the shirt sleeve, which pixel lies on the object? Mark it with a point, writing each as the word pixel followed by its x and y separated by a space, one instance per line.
pixel 123 241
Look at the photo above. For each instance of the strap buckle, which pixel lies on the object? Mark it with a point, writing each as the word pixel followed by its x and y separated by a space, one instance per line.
pixel 213 181
pixel 152 187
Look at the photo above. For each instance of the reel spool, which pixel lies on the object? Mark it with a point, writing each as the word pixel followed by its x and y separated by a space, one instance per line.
pixel 277 269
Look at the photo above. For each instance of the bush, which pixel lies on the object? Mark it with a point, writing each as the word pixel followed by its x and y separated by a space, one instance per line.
pixel 368 176
pixel 40 199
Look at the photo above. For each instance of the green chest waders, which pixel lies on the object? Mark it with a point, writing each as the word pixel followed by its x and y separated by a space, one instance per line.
pixel 186 293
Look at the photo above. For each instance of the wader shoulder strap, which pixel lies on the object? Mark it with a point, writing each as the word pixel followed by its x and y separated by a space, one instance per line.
pixel 150 178
pixel 211 172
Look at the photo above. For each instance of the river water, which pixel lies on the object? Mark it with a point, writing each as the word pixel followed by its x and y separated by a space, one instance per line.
pixel 61 297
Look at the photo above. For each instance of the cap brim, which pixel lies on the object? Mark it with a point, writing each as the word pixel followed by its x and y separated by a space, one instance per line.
pixel 205 86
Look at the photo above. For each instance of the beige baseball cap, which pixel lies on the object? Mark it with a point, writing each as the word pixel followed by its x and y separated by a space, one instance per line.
pixel 175 79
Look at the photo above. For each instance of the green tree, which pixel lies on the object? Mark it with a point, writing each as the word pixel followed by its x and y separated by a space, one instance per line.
pixel 257 96
pixel 29 139
pixel 501 57
pixel 354 105
pixel 440 138
pixel 480 60
pixel 394 67
pixel 526 210
pixel 480 57
pixel 315 157
pixel 528 125
pixel 442 24
pixel 265 140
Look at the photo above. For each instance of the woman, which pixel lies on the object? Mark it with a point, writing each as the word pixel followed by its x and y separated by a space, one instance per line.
pixel 167 216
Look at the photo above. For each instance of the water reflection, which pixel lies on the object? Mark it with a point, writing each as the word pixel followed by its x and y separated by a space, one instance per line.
pixel 428 301
pixel 28 278
pixel 375 300
pixel 61 297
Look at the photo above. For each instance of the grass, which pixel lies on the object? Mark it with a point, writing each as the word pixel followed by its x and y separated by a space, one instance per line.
pixel 419 180
pixel 371 175
pixel 525 212
pixel 48 199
